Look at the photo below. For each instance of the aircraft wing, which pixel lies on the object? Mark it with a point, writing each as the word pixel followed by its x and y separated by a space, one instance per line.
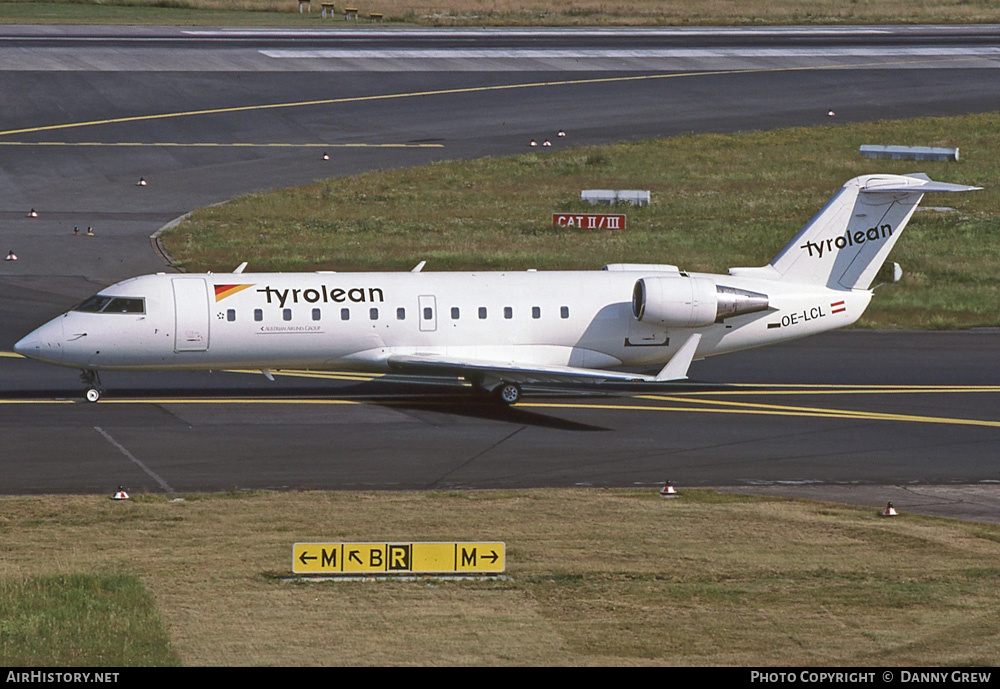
pixel 513 372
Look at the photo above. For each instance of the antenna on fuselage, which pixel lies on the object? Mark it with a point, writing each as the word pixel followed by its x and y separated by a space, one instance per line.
pixel 240 267
pixel 417 268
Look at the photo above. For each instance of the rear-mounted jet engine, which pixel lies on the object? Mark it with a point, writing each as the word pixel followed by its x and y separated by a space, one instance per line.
pixel 689 302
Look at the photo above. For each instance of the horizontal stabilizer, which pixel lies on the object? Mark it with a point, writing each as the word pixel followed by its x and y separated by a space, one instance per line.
pixel 917 183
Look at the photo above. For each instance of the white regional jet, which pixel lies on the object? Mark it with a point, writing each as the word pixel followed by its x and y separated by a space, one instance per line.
pixel 498 330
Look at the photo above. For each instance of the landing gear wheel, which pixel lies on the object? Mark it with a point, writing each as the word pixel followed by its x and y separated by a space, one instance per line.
pixel 509 393
pixel 93 382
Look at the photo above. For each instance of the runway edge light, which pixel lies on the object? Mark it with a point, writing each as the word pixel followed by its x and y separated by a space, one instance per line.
pixel 120 494
pixel 889 511
pixel 668 491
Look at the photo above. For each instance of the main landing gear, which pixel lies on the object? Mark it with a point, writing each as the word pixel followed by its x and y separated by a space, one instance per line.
pixel 501 390
pixel 508 393
pixel 92 380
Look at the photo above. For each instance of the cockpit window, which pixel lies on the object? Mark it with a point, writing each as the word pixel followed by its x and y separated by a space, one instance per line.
pixel 126 305
pixel 104 304
pixel 93 305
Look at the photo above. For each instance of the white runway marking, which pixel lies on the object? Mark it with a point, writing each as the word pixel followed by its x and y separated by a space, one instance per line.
pixel 121 448
pixel 616 53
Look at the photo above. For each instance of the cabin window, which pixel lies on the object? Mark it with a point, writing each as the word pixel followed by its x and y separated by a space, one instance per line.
pixel 508 312
pixel 258 314
pixel 316 314
pixel 454 313
pixel 231 315
pixel 345 314
pixel 373 314
pixel 482 313
pixel 536 312
pixel 286 314
pixel 564 312
pixel 400 314
pixel 428 313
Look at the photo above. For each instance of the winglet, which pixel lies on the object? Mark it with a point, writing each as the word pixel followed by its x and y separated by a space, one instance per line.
pixel 677 367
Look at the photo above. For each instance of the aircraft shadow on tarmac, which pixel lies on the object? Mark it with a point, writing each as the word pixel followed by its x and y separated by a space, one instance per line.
pixel 445 399
pixel 478 406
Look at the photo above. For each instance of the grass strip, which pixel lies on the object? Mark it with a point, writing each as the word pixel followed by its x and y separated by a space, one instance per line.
pixel 595 577
pixel 80 620
pixel 505 12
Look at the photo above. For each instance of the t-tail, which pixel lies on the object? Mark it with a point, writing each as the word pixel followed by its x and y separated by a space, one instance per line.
pixel 848 241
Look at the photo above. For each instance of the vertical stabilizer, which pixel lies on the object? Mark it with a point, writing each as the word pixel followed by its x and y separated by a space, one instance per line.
pixel 847 242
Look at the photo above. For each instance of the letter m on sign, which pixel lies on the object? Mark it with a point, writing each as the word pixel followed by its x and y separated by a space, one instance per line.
pixel 329 558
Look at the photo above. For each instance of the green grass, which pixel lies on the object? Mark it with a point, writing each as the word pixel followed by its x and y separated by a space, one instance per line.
pixel 80 620
pixel 507 12
pixel 167 13
pixel 718 201
pixel 594 577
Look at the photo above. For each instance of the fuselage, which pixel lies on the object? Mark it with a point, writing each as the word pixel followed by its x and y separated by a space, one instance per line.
pixel 498 330
pixel 323 320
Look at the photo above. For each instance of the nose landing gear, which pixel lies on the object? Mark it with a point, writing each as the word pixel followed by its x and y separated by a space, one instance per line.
pixel 92 380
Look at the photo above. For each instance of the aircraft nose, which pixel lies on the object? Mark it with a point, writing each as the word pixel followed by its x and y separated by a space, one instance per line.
pixel 27 345
pixel 43 344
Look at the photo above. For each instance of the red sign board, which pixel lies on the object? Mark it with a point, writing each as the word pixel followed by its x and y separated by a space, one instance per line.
pixel 589 221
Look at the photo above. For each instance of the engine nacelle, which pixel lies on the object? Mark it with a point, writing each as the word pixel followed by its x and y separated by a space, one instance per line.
pixel 688 302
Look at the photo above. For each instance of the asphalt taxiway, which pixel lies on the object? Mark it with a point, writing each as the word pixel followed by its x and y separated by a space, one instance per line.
pixel 203 115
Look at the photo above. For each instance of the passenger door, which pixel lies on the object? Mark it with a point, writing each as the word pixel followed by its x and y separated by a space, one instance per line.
pixel 191 317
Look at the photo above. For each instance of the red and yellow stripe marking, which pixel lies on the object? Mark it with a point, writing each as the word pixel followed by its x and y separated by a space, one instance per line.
pixel 223 291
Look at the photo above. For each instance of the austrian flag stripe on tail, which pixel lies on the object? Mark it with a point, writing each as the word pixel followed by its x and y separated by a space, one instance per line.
pixel 838 307
pixel 223 291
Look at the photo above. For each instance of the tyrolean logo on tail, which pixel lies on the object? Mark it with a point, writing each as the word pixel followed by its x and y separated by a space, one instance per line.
pixel 849 238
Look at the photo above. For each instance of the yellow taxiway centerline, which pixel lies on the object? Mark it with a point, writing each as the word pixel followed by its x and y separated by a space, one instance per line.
pixel 468 90
pixel 679 405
